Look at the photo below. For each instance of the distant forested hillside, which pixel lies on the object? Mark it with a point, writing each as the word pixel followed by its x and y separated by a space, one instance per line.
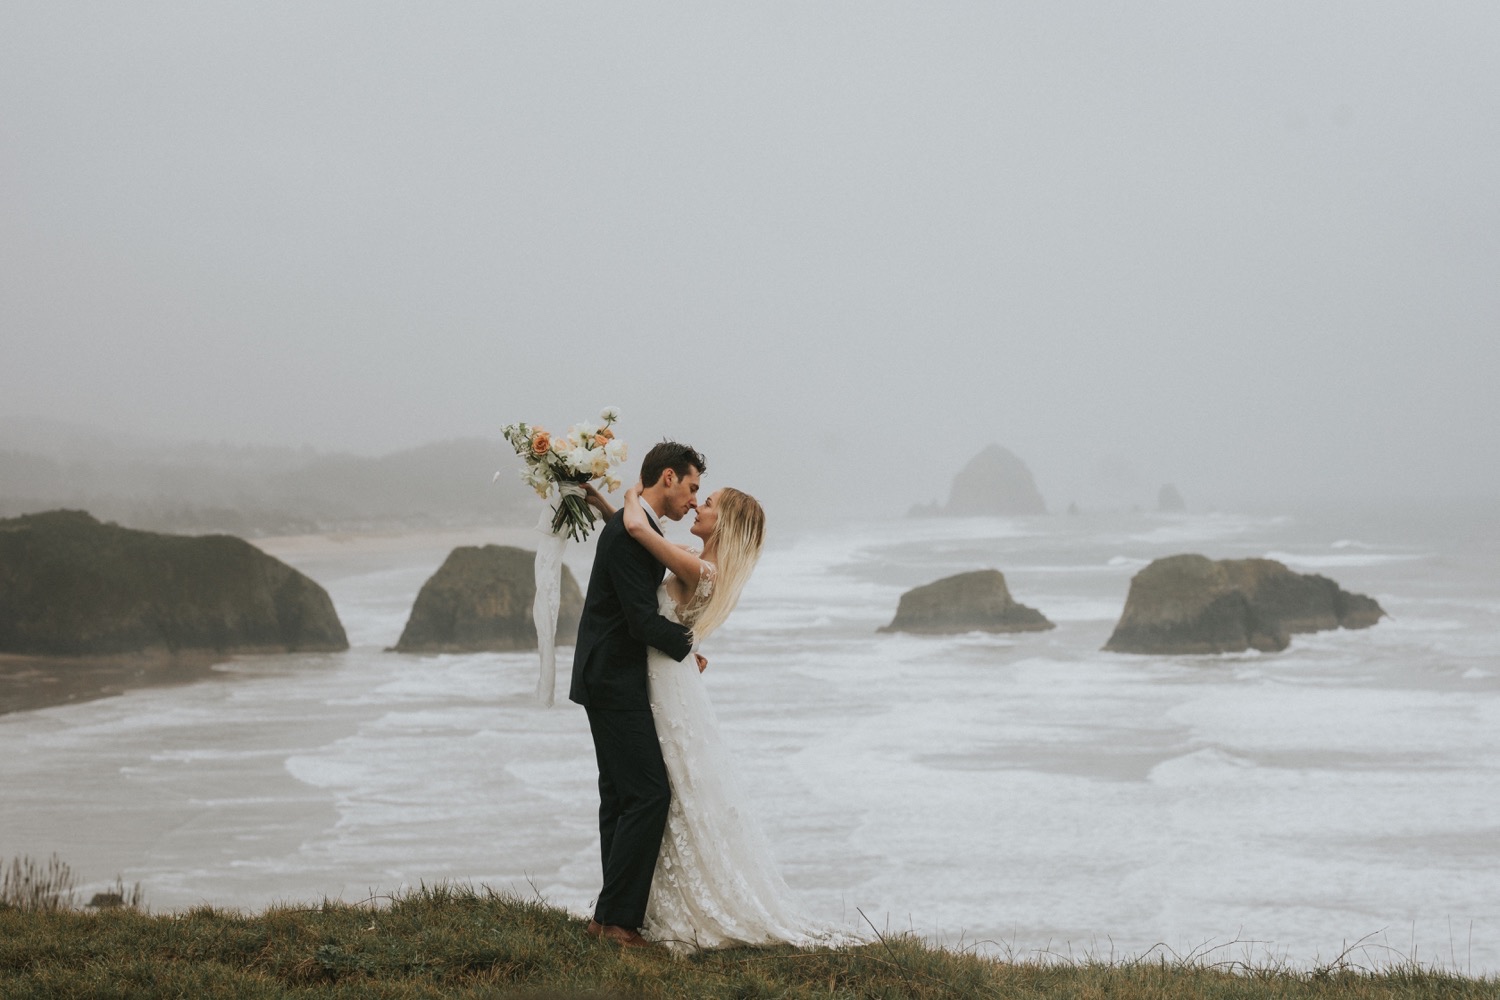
pixel 258 490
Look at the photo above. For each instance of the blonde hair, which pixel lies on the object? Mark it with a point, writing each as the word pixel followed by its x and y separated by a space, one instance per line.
pixel 739 533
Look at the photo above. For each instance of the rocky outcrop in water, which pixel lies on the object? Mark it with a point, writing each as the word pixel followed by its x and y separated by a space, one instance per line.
pixel 994 482
pixel 1193 604
pixel 480 600
pixel 71 586
pixel 968 602
pixel 1169 501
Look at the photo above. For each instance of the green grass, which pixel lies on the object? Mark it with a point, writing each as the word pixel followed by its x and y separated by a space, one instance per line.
pixel 451 941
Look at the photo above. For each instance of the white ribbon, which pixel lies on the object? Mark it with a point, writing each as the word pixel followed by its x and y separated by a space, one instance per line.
pixel 544 608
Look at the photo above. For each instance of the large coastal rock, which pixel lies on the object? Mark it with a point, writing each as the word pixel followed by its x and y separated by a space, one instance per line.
pixel 480 600
pixel 71 586
pixel 968 602
pixel 994 482
pixel 1169 500
pixel 1193 604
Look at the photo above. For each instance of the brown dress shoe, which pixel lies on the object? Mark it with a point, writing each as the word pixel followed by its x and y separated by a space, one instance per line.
pixel 594 929
pixel 624 937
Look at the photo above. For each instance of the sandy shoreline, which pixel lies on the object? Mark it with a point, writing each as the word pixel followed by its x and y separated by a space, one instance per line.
pixel 32 682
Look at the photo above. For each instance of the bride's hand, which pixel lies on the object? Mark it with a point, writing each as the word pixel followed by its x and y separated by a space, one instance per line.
pixel 635 516
pixel 595 499
pixel 702 662
pixel 686 568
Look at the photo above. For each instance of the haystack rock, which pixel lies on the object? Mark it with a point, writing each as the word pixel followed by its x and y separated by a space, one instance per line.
pixel 1169 501
pixel 994 482
pixel 480 600
pixel 1192 604
pixel 968 602
pixel 71 586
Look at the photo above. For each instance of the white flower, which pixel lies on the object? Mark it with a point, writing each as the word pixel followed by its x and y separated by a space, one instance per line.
pixel 616 451
pixel 600 462
pixel 537 479
pixel 580 460
pixel 609 414
pixel 611 484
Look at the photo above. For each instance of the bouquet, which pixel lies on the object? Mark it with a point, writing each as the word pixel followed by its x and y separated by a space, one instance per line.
pixel 567 461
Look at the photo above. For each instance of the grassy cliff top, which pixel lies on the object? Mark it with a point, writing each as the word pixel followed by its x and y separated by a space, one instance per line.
pixel 457 942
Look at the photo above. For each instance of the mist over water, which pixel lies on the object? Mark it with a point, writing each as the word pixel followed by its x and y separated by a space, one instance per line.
pixel 1247 250
pixel 1027 790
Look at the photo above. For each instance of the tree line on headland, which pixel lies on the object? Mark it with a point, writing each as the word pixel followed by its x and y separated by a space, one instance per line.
pixel 258 491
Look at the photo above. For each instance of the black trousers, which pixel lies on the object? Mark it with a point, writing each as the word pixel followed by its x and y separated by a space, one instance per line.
pixel 634 795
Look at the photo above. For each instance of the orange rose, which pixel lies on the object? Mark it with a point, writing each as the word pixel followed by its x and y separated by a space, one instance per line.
pixel 600 440
pixel 606 434
pixel 541 443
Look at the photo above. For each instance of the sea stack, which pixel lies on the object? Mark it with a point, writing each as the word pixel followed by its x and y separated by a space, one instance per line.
pixel 995 481
pixel 480 600
pixel 1169 501
pixel 968 602
pixel 71 586
pixel 1193 604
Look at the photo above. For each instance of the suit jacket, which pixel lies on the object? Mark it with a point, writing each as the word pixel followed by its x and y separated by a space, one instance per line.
pixel 620 619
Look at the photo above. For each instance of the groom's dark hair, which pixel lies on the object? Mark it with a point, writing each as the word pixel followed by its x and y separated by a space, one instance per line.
pixel 670 455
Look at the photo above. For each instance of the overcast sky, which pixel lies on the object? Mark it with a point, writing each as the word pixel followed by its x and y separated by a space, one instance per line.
pixel 1253 248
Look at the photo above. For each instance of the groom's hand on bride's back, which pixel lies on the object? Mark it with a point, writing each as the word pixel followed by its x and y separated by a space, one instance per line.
pixel 702 662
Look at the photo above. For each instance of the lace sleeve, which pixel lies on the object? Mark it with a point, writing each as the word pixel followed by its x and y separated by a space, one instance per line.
pixel 706 573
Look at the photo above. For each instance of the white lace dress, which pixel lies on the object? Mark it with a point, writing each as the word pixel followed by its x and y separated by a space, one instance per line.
pixel 716 884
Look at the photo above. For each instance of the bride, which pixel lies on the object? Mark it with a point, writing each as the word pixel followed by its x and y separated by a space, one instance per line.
pixel 716 884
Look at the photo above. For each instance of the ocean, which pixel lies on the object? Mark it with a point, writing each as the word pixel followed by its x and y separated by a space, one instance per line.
pixel 1024 794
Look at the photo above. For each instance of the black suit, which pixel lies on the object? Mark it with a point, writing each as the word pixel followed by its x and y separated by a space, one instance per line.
pixel 620 619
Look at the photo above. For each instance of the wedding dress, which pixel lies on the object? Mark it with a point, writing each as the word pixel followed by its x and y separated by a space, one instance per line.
pixel 716 884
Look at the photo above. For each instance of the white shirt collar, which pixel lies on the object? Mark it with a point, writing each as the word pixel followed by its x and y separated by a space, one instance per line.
pixel 652 515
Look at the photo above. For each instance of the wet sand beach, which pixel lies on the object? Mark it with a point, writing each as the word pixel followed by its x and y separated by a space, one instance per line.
pixel 31 682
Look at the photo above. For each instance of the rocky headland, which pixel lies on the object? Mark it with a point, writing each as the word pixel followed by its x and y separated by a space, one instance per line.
pixel 480 600
pixel 71 586
pixel 967 602
pixel 1193 604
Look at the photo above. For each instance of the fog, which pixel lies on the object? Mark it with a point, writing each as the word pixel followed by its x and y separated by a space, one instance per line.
pixel 839 247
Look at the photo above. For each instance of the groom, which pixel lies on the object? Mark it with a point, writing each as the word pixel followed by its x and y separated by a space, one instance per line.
pixel 620 619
